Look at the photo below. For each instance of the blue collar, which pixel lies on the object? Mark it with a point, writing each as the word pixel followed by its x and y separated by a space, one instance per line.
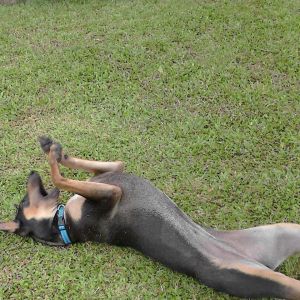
pixel 61 224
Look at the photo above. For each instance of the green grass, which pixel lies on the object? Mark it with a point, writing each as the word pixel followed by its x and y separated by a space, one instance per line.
pixel 200 97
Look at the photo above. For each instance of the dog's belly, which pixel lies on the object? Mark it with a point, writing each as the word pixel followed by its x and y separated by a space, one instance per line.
pixel 150 222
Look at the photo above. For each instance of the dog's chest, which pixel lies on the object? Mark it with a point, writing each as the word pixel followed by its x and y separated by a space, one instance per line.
pixel 74 207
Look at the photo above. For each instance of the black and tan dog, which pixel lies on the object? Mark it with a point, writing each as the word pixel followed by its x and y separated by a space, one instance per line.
pixel 125 210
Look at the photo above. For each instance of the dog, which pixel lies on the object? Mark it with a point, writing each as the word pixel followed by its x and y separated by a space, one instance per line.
pixel 121 209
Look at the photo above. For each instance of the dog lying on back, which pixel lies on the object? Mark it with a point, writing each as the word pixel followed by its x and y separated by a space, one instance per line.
pixel 125 210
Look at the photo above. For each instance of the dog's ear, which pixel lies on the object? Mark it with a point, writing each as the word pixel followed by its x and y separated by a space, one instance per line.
pixel 11 226
pixel 53 194
pixel 35 185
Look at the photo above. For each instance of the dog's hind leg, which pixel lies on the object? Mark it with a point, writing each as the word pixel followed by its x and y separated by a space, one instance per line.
pixel 106 193
pixel 248 279
pixel 268 244
pixel 96 167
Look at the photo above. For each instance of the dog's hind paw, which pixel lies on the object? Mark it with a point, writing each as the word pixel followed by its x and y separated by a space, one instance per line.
pixel 45 143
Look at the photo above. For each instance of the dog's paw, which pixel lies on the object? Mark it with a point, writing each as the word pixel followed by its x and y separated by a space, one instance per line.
pixel 56 151
pixel 45 143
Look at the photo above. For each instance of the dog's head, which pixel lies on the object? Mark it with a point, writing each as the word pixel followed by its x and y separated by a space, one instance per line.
pixel 36 212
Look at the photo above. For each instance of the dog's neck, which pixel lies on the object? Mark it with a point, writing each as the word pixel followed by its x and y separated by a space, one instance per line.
pixel 54 237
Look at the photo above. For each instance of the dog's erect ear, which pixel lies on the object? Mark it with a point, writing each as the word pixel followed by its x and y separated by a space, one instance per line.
pixel 53 194
pixel 11 226
pixel 35 185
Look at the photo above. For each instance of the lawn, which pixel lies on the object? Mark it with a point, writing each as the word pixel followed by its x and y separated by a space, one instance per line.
pixel 200 97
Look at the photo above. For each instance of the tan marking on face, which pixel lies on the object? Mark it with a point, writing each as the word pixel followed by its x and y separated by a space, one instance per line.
pixel 9 226
pixel 39 212
pixel 39 208
pixel 74 207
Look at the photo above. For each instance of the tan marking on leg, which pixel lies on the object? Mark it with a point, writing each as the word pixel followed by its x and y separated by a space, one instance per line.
pixel 96 167
pixel 91 190
pixel 91 166
pixel 292 285
pixel 74 207
pixel 114 210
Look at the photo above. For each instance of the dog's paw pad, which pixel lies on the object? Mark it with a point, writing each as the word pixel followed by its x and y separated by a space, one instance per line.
pixel 45 143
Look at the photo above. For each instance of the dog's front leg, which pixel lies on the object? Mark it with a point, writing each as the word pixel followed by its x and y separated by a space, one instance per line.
pixel 90 190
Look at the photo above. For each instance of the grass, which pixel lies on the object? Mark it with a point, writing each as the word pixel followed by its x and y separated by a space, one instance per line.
pixel 199 97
